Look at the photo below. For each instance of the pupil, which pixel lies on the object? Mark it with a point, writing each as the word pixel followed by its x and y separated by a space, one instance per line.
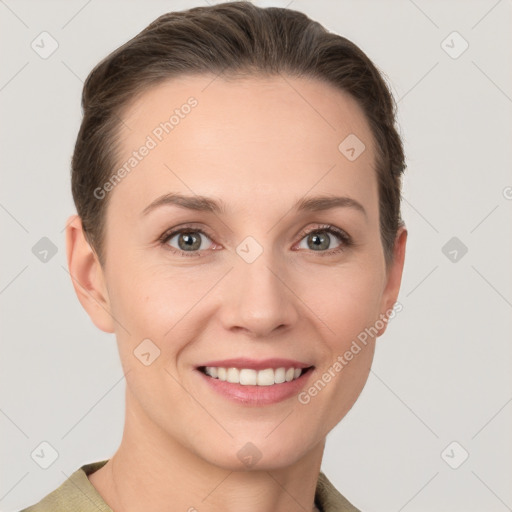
pixel 318 242
pixel 190 241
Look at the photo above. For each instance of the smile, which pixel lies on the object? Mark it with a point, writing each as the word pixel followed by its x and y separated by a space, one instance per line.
pixel 255 382
pixel 251 377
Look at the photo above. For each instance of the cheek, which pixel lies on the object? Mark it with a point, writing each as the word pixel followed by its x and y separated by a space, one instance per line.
pixel 348 348
pixel 148 305
pixel 153 298
pixel 346 301
pixel 165 303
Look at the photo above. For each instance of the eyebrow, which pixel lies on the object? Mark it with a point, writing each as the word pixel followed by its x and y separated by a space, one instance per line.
pixel 210 205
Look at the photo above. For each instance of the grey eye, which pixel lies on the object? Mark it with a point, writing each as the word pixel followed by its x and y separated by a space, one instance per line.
pixel 188 240
pixel 318 240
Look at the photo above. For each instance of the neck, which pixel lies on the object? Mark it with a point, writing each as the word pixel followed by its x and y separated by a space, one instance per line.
pixel 150 470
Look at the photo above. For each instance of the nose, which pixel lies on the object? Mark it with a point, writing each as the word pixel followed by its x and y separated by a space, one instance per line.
pixel 259 300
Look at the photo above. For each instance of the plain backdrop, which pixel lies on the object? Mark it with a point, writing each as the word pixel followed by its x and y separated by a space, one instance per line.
pixel 432 428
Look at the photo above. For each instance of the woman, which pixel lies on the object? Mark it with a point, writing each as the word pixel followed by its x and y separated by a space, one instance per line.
pixel 237 184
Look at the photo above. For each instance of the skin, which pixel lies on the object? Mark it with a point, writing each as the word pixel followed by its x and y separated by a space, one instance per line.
pixel 260 147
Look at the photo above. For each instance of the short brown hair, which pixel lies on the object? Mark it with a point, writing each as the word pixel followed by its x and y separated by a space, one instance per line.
pixel 241 39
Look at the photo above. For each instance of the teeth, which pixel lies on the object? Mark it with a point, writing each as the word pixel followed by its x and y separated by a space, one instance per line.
pixel 232 375
pixel 247 377
pixel 279 375
pixel 266 377
pixel 250 377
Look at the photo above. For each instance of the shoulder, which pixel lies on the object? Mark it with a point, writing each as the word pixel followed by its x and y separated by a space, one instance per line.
pixel 75 493
pixel 329 498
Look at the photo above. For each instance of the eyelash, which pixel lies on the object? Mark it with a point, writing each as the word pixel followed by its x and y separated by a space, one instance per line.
pixel 344 238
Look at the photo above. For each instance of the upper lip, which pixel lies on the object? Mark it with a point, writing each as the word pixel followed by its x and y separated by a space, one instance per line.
pixel 254 364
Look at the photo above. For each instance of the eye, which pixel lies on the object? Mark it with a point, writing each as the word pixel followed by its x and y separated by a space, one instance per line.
pixel 321 238
pixel 189 241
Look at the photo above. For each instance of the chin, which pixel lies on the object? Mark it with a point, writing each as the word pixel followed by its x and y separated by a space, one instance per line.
pixel 258 454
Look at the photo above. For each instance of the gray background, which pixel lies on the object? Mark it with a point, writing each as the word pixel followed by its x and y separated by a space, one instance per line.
pixel 441 371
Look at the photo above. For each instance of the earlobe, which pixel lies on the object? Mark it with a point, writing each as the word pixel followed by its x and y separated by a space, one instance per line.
pixel 87 276
pixel 394 275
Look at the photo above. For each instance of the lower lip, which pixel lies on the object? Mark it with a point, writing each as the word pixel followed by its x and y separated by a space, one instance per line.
pixel 257 395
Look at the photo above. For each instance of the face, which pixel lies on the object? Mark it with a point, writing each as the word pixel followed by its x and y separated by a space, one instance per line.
pixel 260 273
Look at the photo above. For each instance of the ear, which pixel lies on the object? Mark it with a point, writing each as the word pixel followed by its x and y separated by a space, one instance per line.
pixel 87 276
pixel 394 276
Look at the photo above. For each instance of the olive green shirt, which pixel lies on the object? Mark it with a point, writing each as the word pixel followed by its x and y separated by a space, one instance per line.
pixel 77 494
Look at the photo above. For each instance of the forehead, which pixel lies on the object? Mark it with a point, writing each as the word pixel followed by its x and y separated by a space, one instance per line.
pixel 209 135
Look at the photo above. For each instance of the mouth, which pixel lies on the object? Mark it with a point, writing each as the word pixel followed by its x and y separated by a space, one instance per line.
pixel 253 377
pixel 251 382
